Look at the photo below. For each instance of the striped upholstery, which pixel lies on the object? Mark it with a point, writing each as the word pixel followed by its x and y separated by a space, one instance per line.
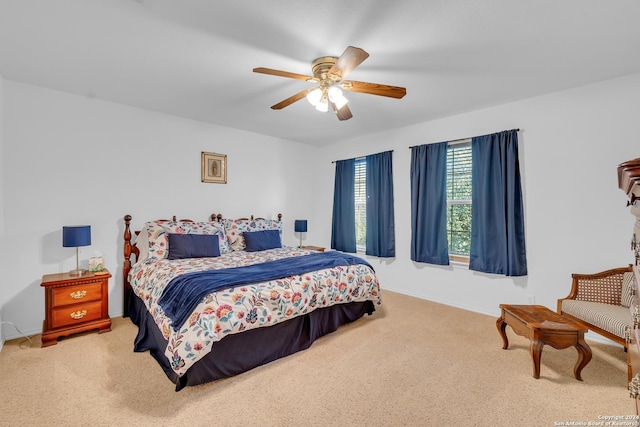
pixel 627 285
pixel 612 318
pixel 605 290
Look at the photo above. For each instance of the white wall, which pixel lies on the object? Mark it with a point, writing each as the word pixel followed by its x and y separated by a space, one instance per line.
pixel 2 244
pixel 76 160
pixel 576 219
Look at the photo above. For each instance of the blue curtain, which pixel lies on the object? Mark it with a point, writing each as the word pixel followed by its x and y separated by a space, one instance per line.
pixel 429 204
pixel 497 214
pixel 343 225
pixel 381 241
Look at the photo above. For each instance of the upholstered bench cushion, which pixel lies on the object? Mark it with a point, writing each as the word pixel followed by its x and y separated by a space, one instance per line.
pixel 611 318
pixel 627 289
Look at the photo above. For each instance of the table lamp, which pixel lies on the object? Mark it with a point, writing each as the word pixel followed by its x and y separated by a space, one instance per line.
pixel 301 227
pixel 74 237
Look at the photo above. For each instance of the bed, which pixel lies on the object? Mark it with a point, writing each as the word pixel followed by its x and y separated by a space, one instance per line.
pixel 217 298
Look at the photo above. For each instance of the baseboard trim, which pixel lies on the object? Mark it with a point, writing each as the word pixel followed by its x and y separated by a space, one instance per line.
pixel 589 336
pixel 449 303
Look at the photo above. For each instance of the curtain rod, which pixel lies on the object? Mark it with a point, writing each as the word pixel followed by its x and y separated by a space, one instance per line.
pixel 462 139
pixel 362 157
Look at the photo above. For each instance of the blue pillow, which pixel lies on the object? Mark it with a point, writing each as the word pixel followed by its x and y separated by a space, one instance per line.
pixel 262 240
pixel 193 246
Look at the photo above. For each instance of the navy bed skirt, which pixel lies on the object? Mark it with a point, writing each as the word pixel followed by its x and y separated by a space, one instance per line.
pixel 241 352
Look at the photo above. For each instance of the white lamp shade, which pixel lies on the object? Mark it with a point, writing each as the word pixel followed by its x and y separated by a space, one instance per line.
pixel 323 105
pixel 336 96
pixel 314 96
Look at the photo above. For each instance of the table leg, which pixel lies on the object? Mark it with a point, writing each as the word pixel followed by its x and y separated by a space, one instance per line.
pixel 584 356
pixel 536 353
pixel 502 325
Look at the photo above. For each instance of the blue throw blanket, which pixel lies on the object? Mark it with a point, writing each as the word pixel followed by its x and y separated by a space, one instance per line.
pixel 185 292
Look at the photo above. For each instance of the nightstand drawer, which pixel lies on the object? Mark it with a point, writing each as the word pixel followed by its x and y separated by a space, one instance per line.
pixel 76 294
pixel 76 314
pixel 74 304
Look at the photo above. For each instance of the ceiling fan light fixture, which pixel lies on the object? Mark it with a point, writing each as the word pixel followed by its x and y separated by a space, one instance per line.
pixel 329 73
pixel 336 96
pixel 314 96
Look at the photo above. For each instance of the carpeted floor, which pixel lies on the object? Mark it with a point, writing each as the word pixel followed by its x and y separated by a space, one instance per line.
pixel 413 362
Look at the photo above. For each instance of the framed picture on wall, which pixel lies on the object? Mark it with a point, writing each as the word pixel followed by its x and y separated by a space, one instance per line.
pixel 214 167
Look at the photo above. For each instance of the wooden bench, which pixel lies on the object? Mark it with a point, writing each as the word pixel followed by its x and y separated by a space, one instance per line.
pixel 601 302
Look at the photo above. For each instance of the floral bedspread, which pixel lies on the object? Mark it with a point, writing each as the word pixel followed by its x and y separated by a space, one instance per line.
pixel 246 307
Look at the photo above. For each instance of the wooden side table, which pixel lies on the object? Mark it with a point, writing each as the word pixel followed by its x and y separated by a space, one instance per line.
pixel 313 248
pixel 543 326
pixel 75 304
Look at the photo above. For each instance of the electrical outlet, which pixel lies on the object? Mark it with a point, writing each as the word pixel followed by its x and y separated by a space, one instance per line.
pixel 531 299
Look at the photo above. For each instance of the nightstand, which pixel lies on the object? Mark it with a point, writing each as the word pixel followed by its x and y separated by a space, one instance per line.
pixel 313 248
pixel 75 304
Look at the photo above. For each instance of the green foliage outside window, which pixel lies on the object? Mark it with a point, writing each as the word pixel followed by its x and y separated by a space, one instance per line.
pixel 459 229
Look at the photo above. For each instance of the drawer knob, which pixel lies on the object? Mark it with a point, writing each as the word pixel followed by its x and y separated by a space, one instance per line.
pixel 627 334
pixel 634 387
pixel 78 294
pixel 78 314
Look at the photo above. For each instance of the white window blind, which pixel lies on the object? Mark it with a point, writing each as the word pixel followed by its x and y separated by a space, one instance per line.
pixel 361 203
pixel 459 198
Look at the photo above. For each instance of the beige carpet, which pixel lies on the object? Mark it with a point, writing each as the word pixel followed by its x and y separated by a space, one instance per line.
pixel 413 362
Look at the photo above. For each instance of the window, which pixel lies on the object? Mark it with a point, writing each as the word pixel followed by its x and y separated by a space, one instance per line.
pixel 459 200
pixel 445 207
pixel 363 217
pixel 361 203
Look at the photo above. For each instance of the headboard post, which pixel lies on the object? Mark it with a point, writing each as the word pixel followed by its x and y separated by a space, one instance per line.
pixel 126 266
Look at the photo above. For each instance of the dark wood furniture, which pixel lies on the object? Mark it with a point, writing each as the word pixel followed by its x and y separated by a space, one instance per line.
pixel 629 183
pixel 543 326
pixel 75 304
pixel 313 248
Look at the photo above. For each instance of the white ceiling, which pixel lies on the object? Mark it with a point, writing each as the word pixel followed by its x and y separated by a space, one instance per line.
pixel 194 58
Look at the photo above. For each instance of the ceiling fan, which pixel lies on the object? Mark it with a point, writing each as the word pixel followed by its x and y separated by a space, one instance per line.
pixel 329 73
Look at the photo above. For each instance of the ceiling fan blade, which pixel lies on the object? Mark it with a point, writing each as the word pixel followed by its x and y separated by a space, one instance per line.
pixel 297 97
pixel 344 113
pixel 374 89
pixel 280 73
pixel 347 62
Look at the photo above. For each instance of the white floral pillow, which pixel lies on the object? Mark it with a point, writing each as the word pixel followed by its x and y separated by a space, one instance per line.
pixel 235 227
pixel 158 232
pixel 142 243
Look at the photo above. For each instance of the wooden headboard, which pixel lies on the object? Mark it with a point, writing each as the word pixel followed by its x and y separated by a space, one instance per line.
pixel 131 248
